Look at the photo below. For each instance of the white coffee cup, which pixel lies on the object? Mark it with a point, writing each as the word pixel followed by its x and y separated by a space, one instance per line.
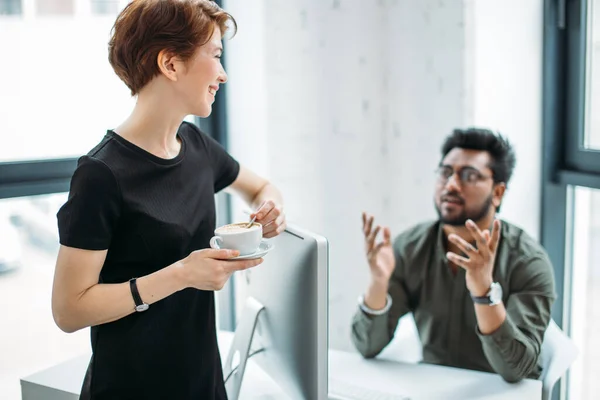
pixel 238 237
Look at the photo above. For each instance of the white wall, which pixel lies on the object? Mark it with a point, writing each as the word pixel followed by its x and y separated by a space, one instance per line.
pixel 507 93
pixel 345 104
pixel 426 70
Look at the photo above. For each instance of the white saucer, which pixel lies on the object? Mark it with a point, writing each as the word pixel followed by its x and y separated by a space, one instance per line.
pixel 263 248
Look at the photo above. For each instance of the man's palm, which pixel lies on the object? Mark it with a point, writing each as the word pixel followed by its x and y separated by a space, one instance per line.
pixel 382 262
pixel 380 255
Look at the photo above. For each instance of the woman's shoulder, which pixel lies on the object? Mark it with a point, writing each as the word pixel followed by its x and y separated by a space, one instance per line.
pixel 100 162
pixel 94 175
pixel 104 152
pixel 192 132
pixel 194 136
pixel 115 153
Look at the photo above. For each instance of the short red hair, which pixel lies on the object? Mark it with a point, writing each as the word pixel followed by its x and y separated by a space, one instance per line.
pixel 146 27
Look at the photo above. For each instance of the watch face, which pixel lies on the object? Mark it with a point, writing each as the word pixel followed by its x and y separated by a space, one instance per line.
pixel 495 293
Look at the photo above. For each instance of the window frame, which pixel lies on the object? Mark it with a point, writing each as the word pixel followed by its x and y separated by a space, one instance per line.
pixel 566 162
pixel 577 157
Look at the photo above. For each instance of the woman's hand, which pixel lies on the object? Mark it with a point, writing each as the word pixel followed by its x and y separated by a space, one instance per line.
pixel 272 218
pixel 209 269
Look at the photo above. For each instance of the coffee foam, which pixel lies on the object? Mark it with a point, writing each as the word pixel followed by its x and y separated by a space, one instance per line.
pixel 236 228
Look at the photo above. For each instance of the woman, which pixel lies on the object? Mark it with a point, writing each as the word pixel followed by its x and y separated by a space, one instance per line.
pixel 134 262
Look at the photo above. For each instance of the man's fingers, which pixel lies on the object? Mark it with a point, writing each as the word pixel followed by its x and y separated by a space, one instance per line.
pixel 373 235
pixel 370 242
pixel 486 235
pixel 368 226
pixel 462 244
pixel 378 247
pixel 240 265
pixel 387 236
pixel 458 260
pixel 495 236
pixel 482 245
pixel 365 221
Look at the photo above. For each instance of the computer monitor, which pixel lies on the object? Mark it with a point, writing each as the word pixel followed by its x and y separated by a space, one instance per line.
pixel 283 326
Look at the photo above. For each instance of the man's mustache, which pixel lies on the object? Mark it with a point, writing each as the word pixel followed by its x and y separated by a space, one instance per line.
pixel 452 197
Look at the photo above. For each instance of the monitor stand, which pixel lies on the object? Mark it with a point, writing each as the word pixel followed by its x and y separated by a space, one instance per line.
pixel 234 367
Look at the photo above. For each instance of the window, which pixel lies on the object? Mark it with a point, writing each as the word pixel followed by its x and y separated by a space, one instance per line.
pixel 571 164
pixel 10 7
pixel 58 95
pixel 105 7
pixel 30 340
pixel 578 74
pixel 585 283
pixel 592 133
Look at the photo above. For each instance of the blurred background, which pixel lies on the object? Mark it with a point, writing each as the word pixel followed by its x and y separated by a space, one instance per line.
pixel 344 105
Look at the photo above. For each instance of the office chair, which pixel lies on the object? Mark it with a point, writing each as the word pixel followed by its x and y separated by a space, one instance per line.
pixel 557 354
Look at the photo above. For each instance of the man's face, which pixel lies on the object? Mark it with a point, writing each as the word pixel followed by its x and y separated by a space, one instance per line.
pixel 465 187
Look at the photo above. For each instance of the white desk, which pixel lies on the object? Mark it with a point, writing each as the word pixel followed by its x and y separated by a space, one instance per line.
pixel 426 381
pixel 418 381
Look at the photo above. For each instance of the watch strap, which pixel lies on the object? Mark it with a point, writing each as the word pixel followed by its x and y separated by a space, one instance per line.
pixel 492 297
pixel 139 304
pixel 482 299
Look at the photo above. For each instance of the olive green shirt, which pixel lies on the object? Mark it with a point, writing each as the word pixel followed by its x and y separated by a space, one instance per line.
pixel 424 284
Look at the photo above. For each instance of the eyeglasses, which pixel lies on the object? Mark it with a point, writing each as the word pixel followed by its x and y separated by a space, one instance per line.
pixel 466 175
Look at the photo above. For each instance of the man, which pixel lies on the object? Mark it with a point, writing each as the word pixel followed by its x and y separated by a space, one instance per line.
pixel 480 290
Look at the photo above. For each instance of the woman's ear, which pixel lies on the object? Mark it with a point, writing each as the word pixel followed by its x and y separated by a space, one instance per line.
pixel 169 65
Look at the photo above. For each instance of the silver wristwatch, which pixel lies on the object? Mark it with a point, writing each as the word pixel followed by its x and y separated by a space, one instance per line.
pixel 370 311
pixel 492 297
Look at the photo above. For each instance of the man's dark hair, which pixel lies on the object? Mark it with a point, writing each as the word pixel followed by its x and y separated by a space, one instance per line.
pixel 501 151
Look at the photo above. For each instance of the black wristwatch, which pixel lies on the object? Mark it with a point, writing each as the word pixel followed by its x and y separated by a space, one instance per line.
pixel 139 304
pixel 492 297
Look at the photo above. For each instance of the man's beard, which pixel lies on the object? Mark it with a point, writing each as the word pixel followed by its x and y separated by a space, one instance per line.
pixel 464 216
